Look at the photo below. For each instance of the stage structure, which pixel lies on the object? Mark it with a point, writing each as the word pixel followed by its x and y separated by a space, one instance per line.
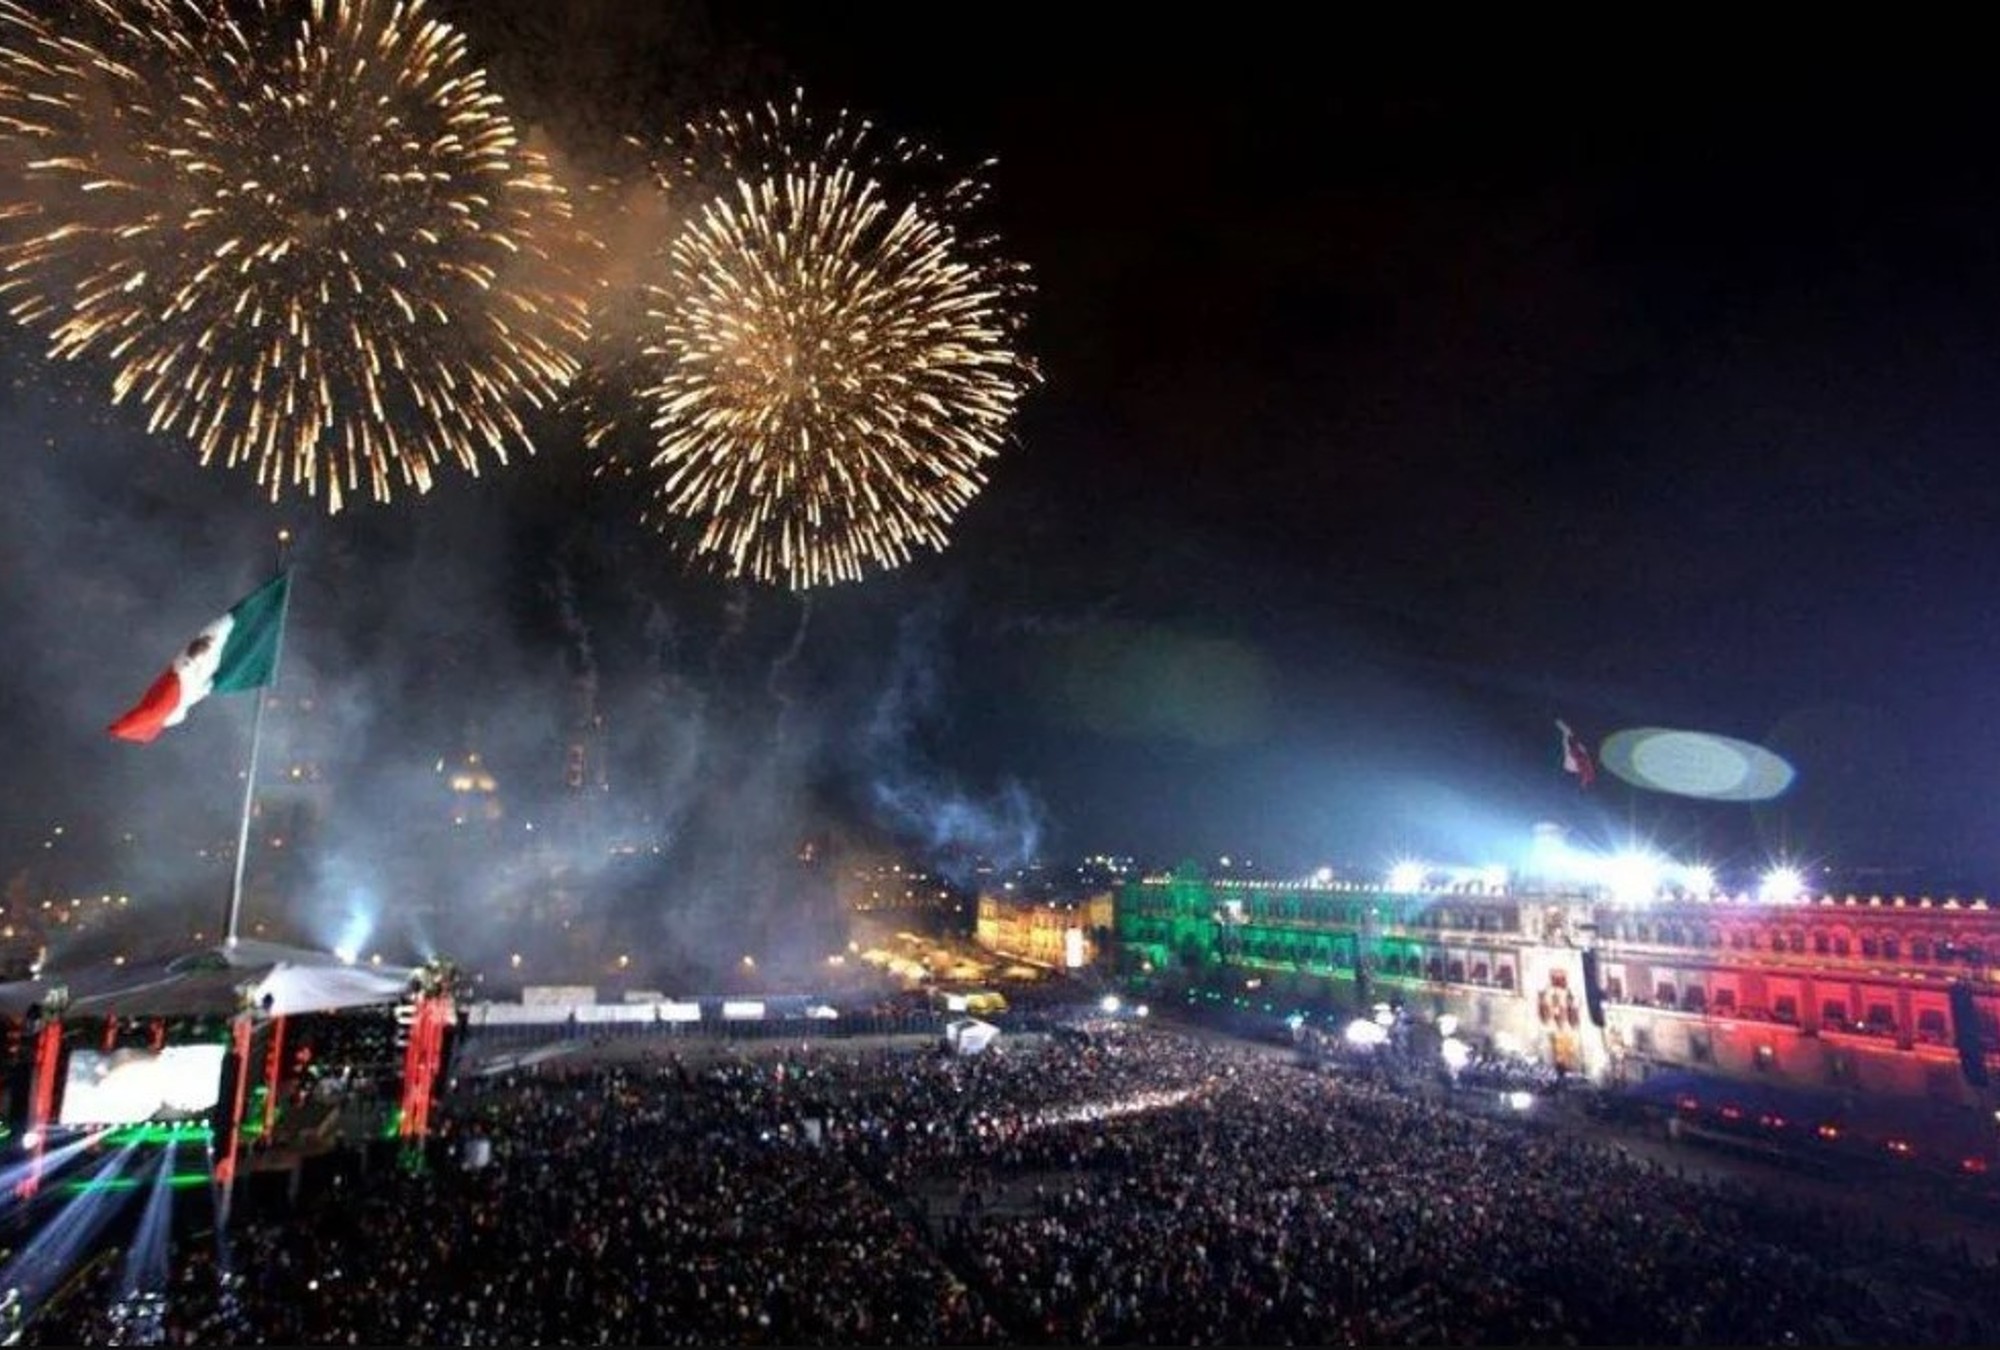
pixel 194 1038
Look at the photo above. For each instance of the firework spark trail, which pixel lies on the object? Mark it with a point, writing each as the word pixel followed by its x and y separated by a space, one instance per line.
pixel 782 667
pixel 834 361
pixel 309 241
pixel 571 616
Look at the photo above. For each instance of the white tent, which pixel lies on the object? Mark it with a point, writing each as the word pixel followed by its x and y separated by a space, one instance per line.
pixel 969 1035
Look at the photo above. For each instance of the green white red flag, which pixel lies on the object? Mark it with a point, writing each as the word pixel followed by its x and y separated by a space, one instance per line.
pixel 237 652
pixel 1576 756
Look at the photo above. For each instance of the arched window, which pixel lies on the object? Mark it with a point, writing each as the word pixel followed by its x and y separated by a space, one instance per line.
pixel 1736 940
pixel 1820 944
pixel 1455 972
pixel 1920 949
pixel 1505 975
pixel 1891 949
pixel 1870 948
pixel 1841 946
pixel 1480 973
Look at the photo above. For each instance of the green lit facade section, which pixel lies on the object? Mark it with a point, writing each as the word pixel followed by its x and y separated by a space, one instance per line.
pixel 1300 944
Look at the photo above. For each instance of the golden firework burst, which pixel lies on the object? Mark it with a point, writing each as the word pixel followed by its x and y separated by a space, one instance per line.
pixel 831 352
pixel 306 237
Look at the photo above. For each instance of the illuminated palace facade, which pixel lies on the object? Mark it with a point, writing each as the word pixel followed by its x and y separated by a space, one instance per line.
pixel 1862 994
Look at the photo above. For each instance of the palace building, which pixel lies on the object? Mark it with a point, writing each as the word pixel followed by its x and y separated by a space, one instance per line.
pixel 1874 995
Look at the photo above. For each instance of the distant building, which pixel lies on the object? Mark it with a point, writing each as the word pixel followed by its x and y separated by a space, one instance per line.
pixel 1062 934
pixel 892 890
pixel 473 802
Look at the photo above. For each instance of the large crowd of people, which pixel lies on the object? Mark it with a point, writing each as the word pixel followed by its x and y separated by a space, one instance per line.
pixel 1139 1185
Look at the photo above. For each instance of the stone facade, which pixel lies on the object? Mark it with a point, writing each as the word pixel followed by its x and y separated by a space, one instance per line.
pixel 1875 995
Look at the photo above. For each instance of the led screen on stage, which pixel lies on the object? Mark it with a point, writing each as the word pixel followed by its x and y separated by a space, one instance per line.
pixel 125 1087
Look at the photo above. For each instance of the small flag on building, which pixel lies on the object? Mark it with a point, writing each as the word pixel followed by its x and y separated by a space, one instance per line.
pixel 1576 756
pixel 237 652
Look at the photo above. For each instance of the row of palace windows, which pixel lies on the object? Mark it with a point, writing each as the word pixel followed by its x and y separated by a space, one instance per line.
pixel 1453 971
pixel 1268 946
pixel 1886 946
pixel 1341 914
pixel 1933 1026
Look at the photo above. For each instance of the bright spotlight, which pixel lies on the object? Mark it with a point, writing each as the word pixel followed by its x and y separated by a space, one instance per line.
pixel 1141 1011
pixel 1699 880
pixel 1447 1024
pixel 1109 1003
pixel 1781 883
pixel 1633 876
pixel 1520 1101
pixel 347 952
pixel 1406 878
pixel 1457 1054
pixel 1363 1034
pixel 31 1139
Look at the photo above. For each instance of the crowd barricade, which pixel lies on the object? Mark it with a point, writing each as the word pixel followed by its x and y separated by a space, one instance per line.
pixel 736 1019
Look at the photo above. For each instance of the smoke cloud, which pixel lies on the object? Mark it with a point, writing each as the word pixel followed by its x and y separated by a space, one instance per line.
pixel 507 723
pixel 916 800
pixel 509 727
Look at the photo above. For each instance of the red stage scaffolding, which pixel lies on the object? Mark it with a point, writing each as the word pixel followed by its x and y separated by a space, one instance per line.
pixel 241 1029
pixel 41 1101
pixel 430 1017
pixel 274 1069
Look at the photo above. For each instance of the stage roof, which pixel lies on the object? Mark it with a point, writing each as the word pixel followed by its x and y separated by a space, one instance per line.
pixel 213 981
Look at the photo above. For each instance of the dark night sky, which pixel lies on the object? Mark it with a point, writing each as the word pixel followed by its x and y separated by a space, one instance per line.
pixel 1391 411
pixel 1457 398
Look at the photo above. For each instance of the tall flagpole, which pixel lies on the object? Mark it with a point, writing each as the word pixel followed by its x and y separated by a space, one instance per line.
pixel 250 778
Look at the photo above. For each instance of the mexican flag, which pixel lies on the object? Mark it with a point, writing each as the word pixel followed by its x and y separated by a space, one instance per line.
pixel 238 651
pixel 1576 756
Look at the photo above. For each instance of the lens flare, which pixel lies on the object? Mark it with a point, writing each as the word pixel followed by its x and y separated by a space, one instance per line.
pixel 1697 764
pixel 303 235
pixel 829 350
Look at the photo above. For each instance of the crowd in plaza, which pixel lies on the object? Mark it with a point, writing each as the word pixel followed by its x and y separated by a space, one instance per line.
pixel 1139 1185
